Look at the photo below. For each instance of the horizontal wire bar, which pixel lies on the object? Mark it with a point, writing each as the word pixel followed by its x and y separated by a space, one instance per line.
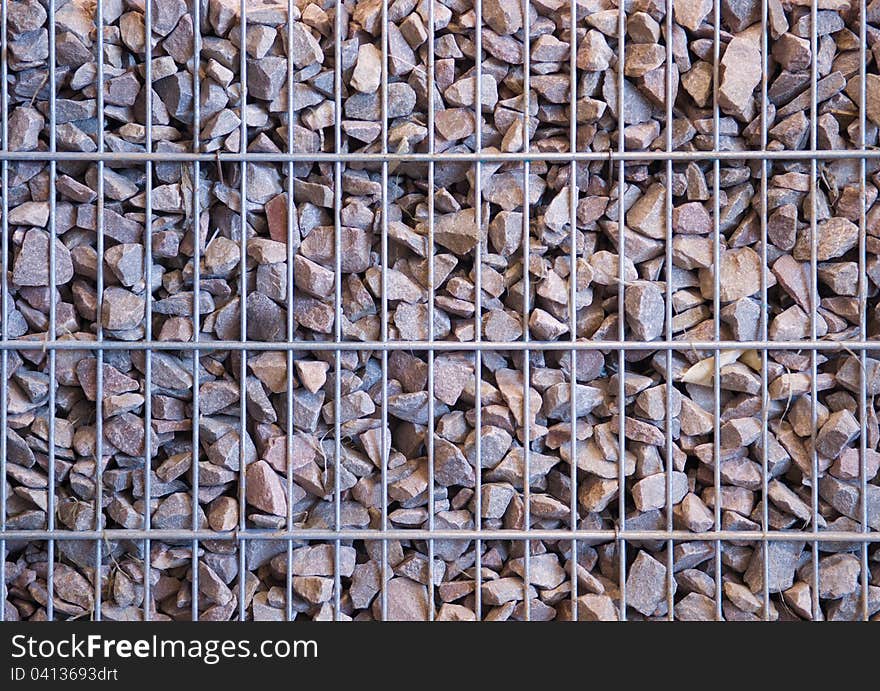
pixel 47 345
pixel 440 157
pixel 421 534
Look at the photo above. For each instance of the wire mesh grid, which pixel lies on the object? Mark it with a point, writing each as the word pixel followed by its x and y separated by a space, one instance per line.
pixel 617 346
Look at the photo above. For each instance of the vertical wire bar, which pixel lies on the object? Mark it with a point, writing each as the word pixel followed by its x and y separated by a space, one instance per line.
pixel 716 302
pixel 863 319
pixel 621 328
pixel 197 293
pixel 242 375
pixel 337 261
pixel 572 295
pixel 53 324
pixel 765 398
pixel 478 313
pixel 814 304
pixel 430 384
pixel 99 361
pixel 4 308
pixel 384 328
pixel 291 212
pixel 148 304
pixel 527 145
pixel 670 466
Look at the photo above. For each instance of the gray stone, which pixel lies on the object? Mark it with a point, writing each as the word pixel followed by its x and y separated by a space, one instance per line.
pixel 31 266
pixel 644 308
pixel 122 309
pixel 837 432
pixel 691 13
pixel 126 262
pixel 266 76
pixel 265 491
pixel 25 126
pixel 368 70
pixel 740 74
pixel 407 601
pixel 782 561
pixel 646 584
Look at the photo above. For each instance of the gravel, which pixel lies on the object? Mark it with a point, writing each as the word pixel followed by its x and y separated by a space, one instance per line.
pixel 309 233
